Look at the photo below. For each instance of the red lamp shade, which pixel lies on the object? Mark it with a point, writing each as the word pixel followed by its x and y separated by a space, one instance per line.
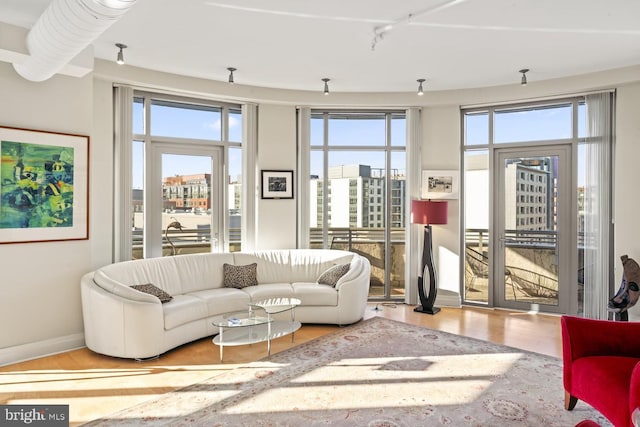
pixel 429 211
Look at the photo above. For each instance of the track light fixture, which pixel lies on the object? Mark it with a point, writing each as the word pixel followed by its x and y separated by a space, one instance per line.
pixel 231 70
pixel 420 89
pixel 120 58
pixel 326 85
pixel 524 72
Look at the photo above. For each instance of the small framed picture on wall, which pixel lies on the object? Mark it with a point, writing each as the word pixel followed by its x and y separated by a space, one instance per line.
pixel 277 184
pixel 440 184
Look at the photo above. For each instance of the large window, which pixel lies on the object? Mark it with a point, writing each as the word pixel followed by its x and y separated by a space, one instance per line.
pixel 186 166
pixel 517 207
pixel 357 191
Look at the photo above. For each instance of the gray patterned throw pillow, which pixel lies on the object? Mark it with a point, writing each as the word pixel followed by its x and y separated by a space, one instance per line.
pixel 332 275
pixel 152 289
pixel 240 276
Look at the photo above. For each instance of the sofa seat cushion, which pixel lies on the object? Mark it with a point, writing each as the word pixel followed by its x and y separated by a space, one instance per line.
pixel 612 374
pixel 223 300
pixel 311 293
pixel 269 290
pixel 183 309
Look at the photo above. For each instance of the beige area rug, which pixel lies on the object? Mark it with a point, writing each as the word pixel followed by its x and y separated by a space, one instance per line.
pixel 376 373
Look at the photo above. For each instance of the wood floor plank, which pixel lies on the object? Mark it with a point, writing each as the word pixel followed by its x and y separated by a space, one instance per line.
pixel 94 385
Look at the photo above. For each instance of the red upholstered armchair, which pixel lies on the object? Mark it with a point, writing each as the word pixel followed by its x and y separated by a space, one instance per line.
pixel 601 368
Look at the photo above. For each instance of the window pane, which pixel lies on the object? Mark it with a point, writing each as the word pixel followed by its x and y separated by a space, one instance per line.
pixel 137 198
pixel 582 170
pixel 398 194
pixel 186 198
pixel 138 116
pixel 398 130
pixel 356 211
pixel 185 121
pixel 533 124
pixel 582 120
pixel 317 129
pixel 315 200
pixel 363 204
pixel 356 190
pixel 235 125
pixel 235 198
pixel 476 223
pixel 363 130
pixel 476 126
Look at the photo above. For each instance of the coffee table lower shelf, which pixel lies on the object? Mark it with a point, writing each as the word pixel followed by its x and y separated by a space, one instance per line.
pixel 232 336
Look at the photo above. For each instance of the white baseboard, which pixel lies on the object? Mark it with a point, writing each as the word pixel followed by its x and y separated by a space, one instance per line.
pixel 446 298
pixel 21 353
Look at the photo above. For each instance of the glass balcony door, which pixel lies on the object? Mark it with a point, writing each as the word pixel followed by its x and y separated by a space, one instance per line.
pixel 184 205
pixel 533 248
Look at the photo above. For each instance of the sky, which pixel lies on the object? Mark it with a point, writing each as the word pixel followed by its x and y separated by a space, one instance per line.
pixel 168 121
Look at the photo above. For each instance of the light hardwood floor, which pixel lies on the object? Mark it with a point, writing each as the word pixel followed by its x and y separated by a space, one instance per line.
pixel 94 385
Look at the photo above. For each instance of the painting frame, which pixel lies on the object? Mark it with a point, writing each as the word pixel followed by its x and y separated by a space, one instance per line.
pixel 440 184
pixel 44 186
pixel 277 184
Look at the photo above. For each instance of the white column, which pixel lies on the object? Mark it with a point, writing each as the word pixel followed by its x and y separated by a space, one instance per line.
pixel 304 171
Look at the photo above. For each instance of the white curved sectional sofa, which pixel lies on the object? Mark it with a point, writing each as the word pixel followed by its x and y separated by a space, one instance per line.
pixel 123 322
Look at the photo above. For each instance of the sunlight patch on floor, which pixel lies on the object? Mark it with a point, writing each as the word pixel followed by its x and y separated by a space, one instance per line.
pixel 413 368
pixel 79 385
pixel 404 394
pixel 376 382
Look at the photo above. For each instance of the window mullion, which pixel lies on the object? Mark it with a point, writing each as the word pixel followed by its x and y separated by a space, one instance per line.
pixel 325 182
pixel 387 208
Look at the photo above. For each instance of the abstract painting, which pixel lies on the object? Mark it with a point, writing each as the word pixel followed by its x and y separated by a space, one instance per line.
pixel 43 186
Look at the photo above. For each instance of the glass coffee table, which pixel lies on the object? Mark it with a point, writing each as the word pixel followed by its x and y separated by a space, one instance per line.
pixel 273 306
pixel 256 324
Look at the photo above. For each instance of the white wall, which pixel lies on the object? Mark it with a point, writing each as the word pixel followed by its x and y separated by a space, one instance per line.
pixel 441 151
pixel 40 301
pixel 277 151
pixel 39 285
pixel 627 181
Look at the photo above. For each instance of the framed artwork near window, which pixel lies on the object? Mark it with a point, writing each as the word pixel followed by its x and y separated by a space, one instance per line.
pixel 440 184
pixel 44 186
pixel 277 184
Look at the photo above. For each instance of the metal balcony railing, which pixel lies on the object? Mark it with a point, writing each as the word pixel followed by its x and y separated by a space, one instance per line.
pixel 522 281
pixel 368 242
pixel 188 237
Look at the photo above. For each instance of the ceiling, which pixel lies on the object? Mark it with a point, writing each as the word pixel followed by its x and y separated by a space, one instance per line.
pixel 293 44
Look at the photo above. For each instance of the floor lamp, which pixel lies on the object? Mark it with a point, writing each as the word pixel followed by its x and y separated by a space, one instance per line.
pixel 428 212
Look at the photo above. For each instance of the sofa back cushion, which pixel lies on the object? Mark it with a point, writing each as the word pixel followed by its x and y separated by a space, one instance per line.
pixel 182 274
pixel 161 272
pixel 201 271
pixel 273 266
pixel 309 264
